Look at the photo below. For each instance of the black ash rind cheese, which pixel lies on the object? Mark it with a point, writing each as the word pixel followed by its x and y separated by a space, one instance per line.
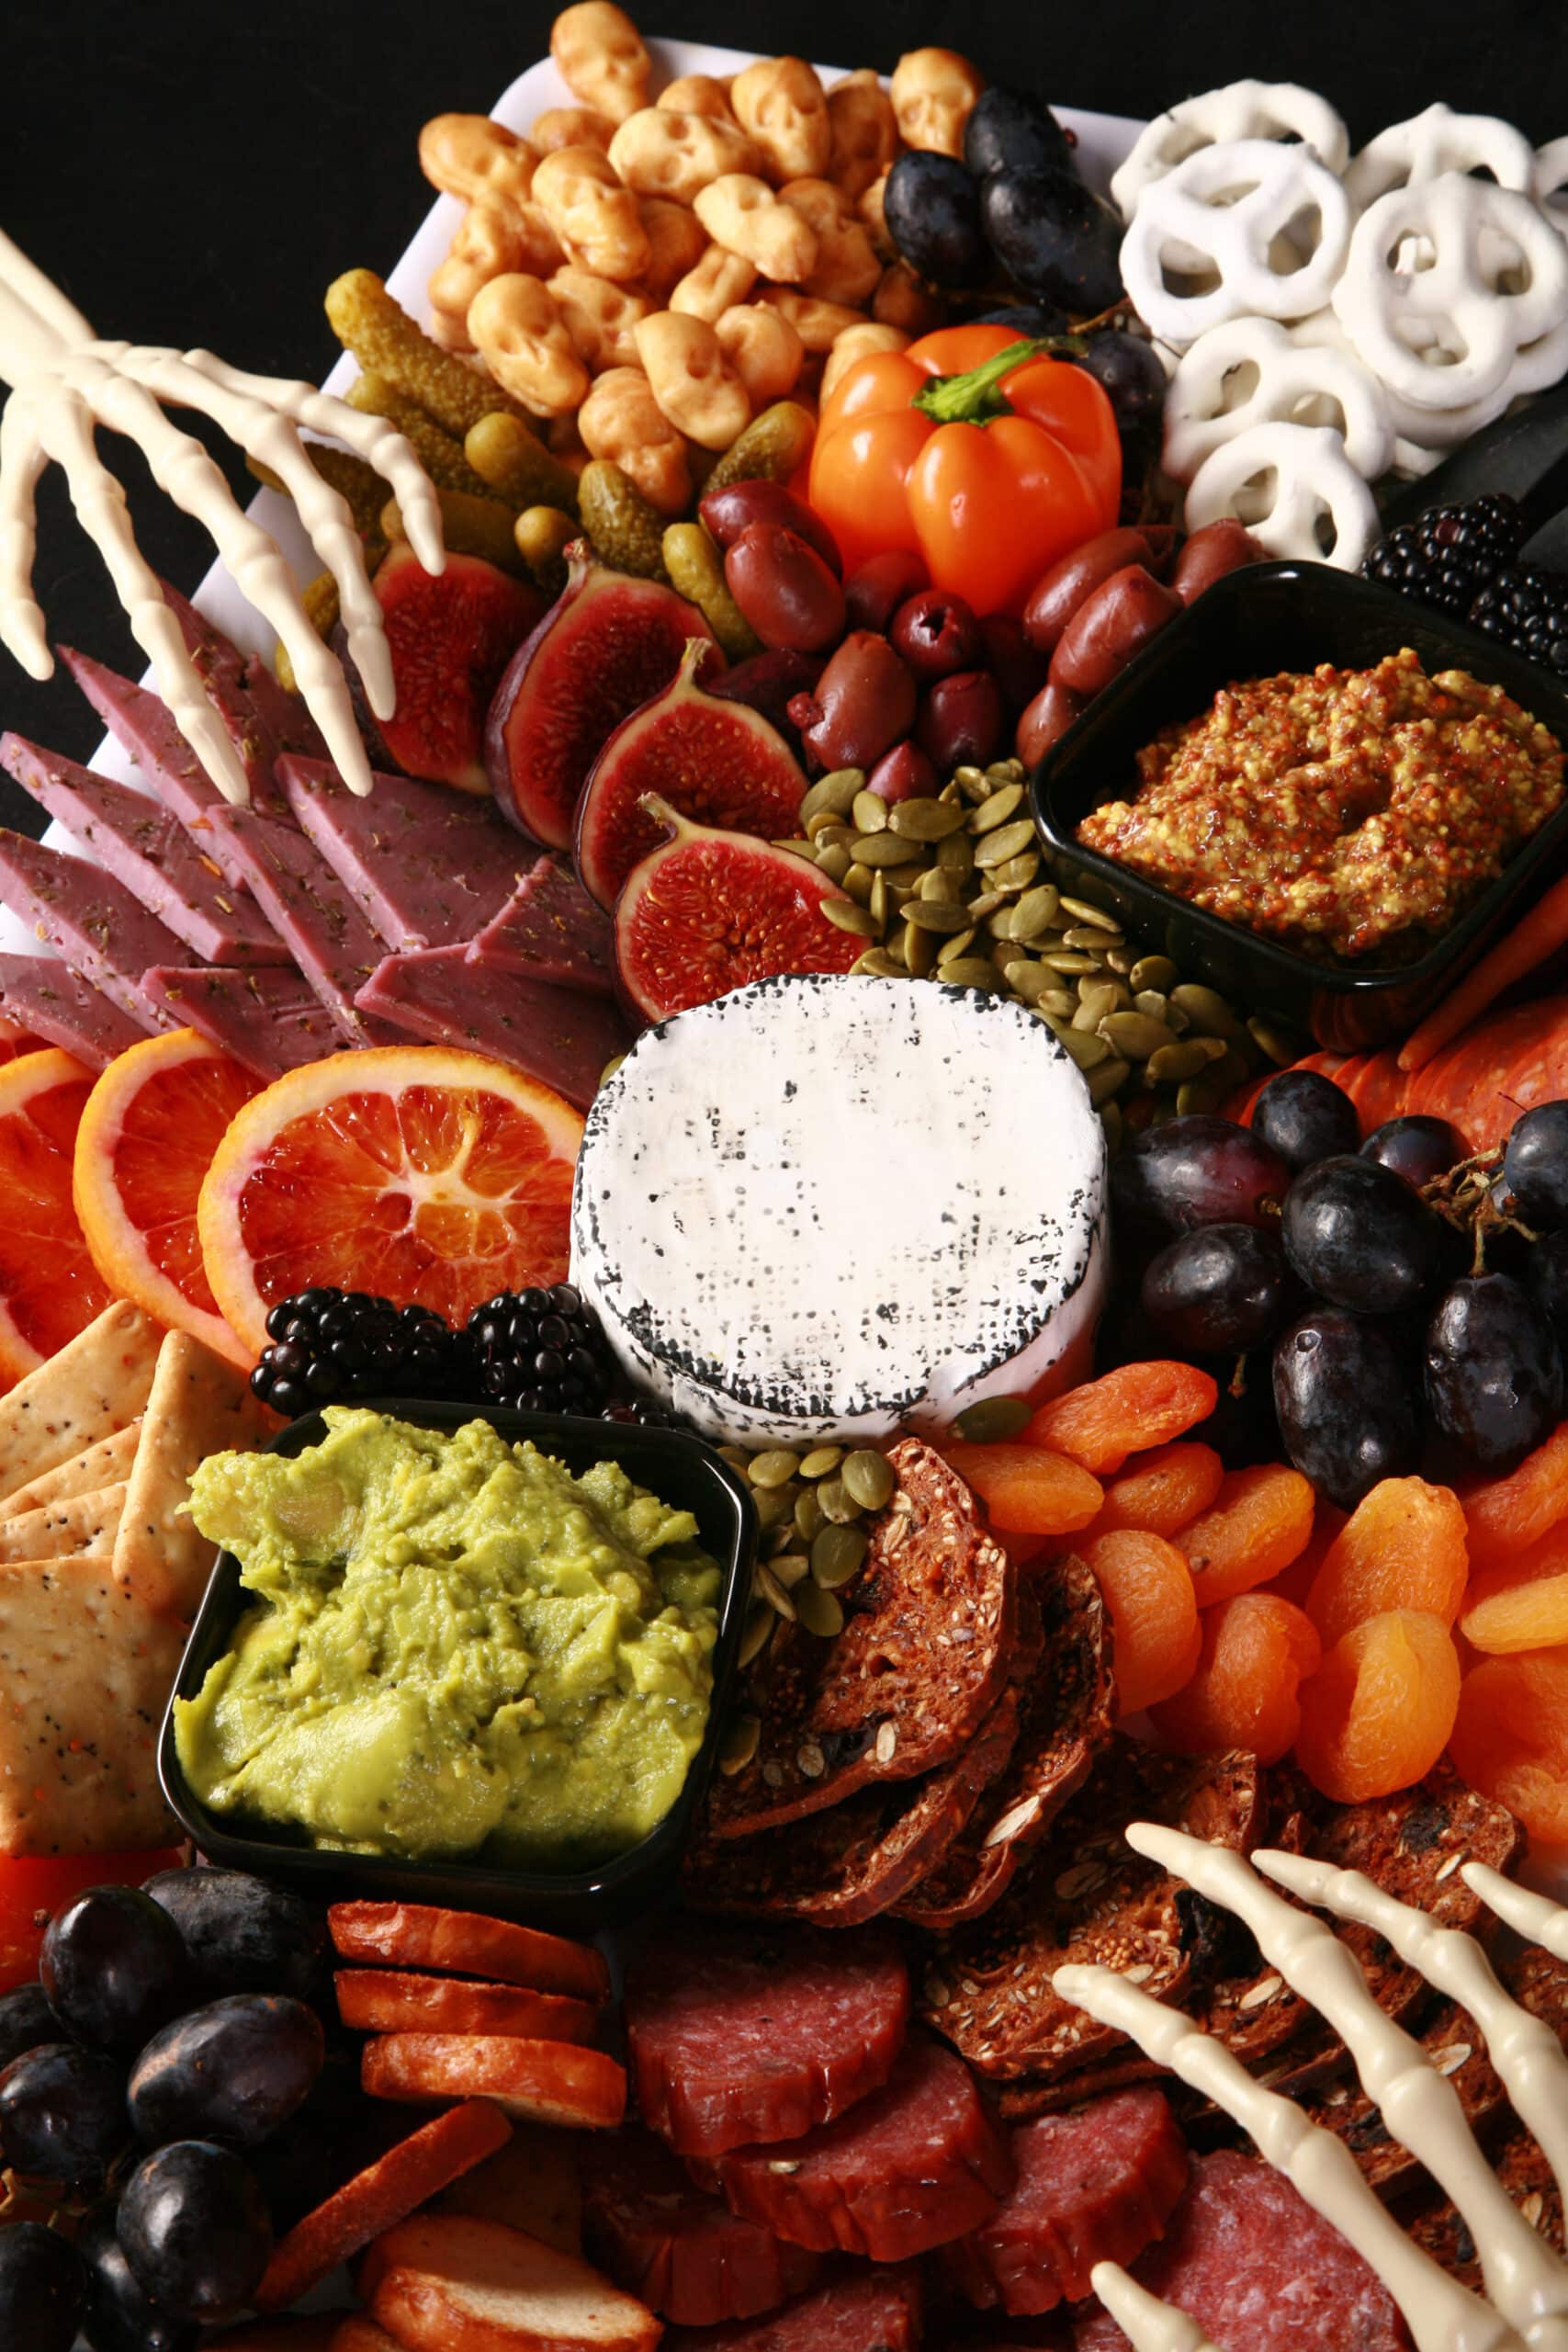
pixel 830 1209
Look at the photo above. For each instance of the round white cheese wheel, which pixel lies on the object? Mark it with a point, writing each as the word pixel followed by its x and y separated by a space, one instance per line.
pixel 826 1209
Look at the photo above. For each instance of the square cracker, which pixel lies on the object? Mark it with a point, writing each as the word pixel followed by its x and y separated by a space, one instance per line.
pixel 106 1463
pixel 85 1524
pixel 199 1405
pixel 85 1672
pixel 96 1384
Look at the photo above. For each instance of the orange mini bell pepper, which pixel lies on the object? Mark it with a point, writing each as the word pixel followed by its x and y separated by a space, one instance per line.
pixel 984 455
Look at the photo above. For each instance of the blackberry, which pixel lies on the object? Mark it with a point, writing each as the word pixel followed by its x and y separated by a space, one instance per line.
pixel 1447 556
pixel 540 1352
pixel 330 1345
pixel 1528 608
pixel 641 1412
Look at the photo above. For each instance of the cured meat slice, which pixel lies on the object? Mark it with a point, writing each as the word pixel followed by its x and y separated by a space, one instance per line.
pixel 558 1035
pixel 91 922
pixel 1086 1898
pixel 1068 1714
pixel 916 2164
pixel 1496 1069
pixel 260 718
pixel 137 840
pixel 680 2251
pixel 921 1662
pixel 1377 1089
pixel 1248 2258
pixel 739 2035
pixel 328 937
pixel 49 1000
pixel 548 2082
pixel 423 1935
pixel 874 2310
pixel 856 1861
pixel 398 2000
pixel 550 929
pixel 426 866
pixel 270 1018
pixel 1098 2186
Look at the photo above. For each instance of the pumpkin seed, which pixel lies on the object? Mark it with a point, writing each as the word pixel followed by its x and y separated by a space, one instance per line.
pixel 900 960
pixel 837 1504
pixel 1173 1065
pixel 1272 1041
pixel 820 1460
pixel 834 862
pixel 1214 1049
pixel 969 972
pixel 819 1612
pixel 1153 1001
pixel 868 813
pixel 1004 770
pixel 1084 938
pixel 1087 1050
pixel 937 914
pixel 920 950
pixel 791 1568
pixel 779 1538
pixel 1111 1121
pixel 771 1504
pixel 1018 872
pixel 1155 972
pixel 1064 960
pixel 995 811
pixel 838 1554
pixel 1087 911
pixel 757 1633
pixel 836 790
pixel 1096 999
pixel 986 905
pixel 957 946
pixel 957 854
pixel 1030 982
pixel 856 880
pixel 1107 1078
pixel 1006 842
pixel 808 1514
pixel 868 1478
pixel 1135 1035
pixel 1197 1094
pixel 774 1594
pixel 738 1744
pixel 823 828
pixel 844 915
pixel 1035 911
pixel 972 781
pixel 993 1420
pixel 939 885
pixel 879 849
pixel 1119 960
pixel 876 963
pixel 1055 1002
pixel 774 1467
pixel 1206 1008
pixel 924 819
pixel 611 1067
pixel 737 1457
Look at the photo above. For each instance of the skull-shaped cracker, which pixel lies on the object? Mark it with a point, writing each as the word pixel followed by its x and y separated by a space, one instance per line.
pixel 492 240
pixel 600 318
pixel 865 132
pixel 621 420
pixel 468 155
pixel 519 330
pixel 676 241
pixel 780 102
pixel 570 127
pixel 763 349
pixel 698 93
pixel 585 204
pixel 601 58
pixel 847 269
pixel 743 215
pixel 717 284
pixel 934 92
pixel 662 152
pixel 692 381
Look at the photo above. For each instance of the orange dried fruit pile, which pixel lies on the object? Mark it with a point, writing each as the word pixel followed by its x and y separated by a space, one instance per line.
pixel 1379 1710
pixel 1261 1521
pixel 1257 1652
pixel 1026 1490
pixel 1510 1737
pixel 1161 1490
pixel 1509 1513
pixel 1404 1546
pixel 1520 1603
pixel 1149 1591
pixel 1125 1411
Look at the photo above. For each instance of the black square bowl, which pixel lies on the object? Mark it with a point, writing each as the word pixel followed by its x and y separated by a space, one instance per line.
pixel 1252 624
pixel 682 1471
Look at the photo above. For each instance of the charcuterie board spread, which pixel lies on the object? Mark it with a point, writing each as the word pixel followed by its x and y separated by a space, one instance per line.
pixel 784 1459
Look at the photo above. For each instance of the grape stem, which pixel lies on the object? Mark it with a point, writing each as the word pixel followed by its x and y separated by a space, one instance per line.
pixel 1464 1199
pixel 975 397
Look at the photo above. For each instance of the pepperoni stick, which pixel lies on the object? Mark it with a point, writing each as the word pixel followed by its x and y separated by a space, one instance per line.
pixel 1148 2324
pixel 1524 2050
pixel 1443 2316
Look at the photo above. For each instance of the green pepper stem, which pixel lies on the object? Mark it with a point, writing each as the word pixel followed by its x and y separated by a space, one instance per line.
pixel 973 398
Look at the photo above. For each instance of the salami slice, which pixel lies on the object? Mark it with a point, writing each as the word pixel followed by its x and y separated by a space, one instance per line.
pixel 425 866
pixel 742 2035
pixel 1248 2258
pixel 875 2311
pixel 1496 1069
pixel 921 1662
pixel 270 1018
pixel 550 929
pixel 917 2163
pixel 558 1035
pixel 1377 1089
pixel 1098 2186
pixel 679 2251
pixel 49 1000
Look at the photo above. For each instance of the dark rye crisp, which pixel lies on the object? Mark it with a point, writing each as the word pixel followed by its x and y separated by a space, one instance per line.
pixel 1528 2179
pixel 925 1653
pixel 1067 1714
pixel 1086 1898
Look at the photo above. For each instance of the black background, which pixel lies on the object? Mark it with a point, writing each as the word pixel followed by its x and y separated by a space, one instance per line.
pixel 194 172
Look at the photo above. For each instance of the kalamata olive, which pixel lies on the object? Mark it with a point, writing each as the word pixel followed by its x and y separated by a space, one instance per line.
pixel 864 703
pixel 1045 722
pixel 1105 632
pixel 765 681
pixel 728 513
pixel 1210 553
pixel 937 633
pixel 784 589
pixel 1012 661
pixel 961 720
pixel 903 773
pixel 873 593
pixel 1057 596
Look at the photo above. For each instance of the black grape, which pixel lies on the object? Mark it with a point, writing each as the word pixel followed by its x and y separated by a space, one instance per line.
pixel 114 1967
pixel 233 2071
pixel 43 2286
pixel 1493 1371
pixel 1359 1236
pixel 1535 1163
pixel 243 1934
pixel 1346 1408
pixel 1222 1288
pixel 25 2019
pixel 195 2229
pixel 62 2114
pixel 1305 1117
pixel 119 2317
pixel 1194 1171
pixel 1418 1147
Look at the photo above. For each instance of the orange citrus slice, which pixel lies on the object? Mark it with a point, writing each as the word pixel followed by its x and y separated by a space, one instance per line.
pixel 417 1172
pixel 15 1041
pixel 146 1140
pixel 50 1288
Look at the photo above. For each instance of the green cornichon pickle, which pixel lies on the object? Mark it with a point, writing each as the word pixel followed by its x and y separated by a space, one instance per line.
pixel 773 446
pixel 628 534
pixel 696 571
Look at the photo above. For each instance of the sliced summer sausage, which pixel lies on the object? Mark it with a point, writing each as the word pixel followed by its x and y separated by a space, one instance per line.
pixel 1112 624
pixel 680 2251
pixel 869 2311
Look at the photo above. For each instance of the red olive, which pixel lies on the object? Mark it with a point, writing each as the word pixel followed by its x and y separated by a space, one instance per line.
pixel 728 513
pixel 1105 632
pixel 784 589
pixel 1045 722
pixel 863 704
pixel 961 720
pixel 903 773
pixel 1057 596
pixel 1012 661
pixel 936 634
pixel 765 681
pixel 873 593
pixel 1218 548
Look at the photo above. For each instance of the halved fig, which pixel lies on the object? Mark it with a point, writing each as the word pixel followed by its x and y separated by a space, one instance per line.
pixel 606 644
pixel 718 761
pixel 709 911
pixel 451 635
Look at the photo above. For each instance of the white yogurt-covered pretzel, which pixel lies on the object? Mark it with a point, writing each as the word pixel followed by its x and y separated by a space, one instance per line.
pixel 1294 489
pixel 1488 314
pixel 1435 142
pixel 1420 434
pixel 1549 183
pixel 1252 371
pixel 1217 218
pixel 1277 110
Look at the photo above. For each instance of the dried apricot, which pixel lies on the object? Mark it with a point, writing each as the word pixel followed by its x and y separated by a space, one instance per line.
pixel 1510 1740
pixel 1162 1490
pixel 1027 1491
pixel 1520 1603
pixel 1260 1523
pixel 1153 1616
pixel 1404 1546
pixel 1378 1713
pixel 1510 1512
pixel 1296 1581
pixel 1124 1411
pixel 1257 1652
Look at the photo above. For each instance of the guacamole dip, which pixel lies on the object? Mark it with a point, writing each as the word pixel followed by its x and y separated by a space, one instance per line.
pixel 457 1645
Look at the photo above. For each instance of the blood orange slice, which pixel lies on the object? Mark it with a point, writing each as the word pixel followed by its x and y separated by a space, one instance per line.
pixel 418 1172
pixel 50 1288
pixel 148 1134
pixel 15 1041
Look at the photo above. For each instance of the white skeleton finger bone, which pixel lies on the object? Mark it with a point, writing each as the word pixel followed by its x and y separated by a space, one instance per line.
pixel 1528 1913
pixel 1148 2324
pixel 1439 141
pixel 1294 489
pixel 1489 314
pixel 1248 109
pixel 22 460
pixel 1252 371
pixel 1525 2279
pixel 1215 221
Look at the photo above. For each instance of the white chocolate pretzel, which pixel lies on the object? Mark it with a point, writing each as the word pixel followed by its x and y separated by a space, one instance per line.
pixel 1295 489
pixel 1435 142
pixel 1420 433
pixel 1254 372
pixel 1217 218
pixel 1551 182
pixel 1277 110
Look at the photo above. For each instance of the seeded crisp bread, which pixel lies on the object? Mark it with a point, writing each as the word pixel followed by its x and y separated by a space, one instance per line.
pixel 85 1672
pixel 87 1525
pixel 98 1384
pixel 199 1404
pixel 106 1463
